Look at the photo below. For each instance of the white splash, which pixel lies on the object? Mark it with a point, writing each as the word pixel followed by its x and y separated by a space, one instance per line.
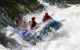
pixel 3 48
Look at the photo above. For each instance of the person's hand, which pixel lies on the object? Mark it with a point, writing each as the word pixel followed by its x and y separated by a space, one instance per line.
pixel 63 20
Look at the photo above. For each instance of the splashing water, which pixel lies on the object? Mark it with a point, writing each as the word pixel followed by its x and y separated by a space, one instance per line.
pixel 66 39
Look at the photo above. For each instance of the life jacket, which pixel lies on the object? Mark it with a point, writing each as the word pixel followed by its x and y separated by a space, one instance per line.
pixel 33 24
pixel 46 18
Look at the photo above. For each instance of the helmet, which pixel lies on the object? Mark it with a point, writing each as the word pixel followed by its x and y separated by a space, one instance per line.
pixel 33 17
pixel 46 13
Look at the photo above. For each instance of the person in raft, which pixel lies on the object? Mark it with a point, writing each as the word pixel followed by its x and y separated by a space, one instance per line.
pixel 46 17
pixel 32 23
pixel 16 22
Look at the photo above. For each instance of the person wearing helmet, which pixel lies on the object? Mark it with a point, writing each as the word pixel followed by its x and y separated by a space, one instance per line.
pixel 32 23
pixel 46 17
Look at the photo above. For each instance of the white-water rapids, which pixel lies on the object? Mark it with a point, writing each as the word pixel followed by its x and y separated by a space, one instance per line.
pixel 66 39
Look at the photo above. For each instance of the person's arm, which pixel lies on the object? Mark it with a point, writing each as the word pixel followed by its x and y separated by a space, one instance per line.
pixel 38 25
pixel 30 24
pixel 50 17
pixel 44 19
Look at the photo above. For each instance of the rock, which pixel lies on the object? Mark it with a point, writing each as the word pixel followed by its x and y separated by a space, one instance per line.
pixel 3 39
